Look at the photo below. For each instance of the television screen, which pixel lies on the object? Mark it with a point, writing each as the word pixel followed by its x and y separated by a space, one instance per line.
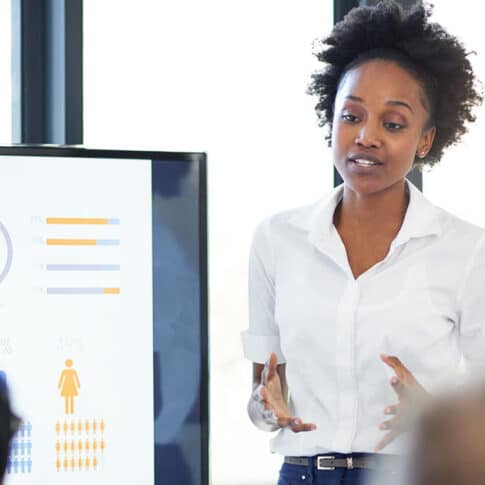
pixel 103 333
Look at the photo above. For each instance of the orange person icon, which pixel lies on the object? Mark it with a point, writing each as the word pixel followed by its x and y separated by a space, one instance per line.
pixel 64 427
pixel 69 385
pixel 95 426
pixel 101 426
pixel 80 445
pixel 86 426
pixel 87 463
pixel 58 447
pixel 102 444
pixel 73 463
pixel 86 445
pixel 79 426
pixel 80 463
pixel 72 427
pixel 66 464
pixel 95 462
pixel 58 427
pixel 58 464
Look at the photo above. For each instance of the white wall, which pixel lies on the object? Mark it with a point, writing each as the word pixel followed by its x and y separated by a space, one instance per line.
pixel 456 184
pixel 227 77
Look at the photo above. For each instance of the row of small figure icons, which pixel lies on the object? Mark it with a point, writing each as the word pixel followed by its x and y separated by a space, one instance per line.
pixel 25 429
pixel 79 464
pixel 20 447
pixel 17 465
pixel 81 426
pixel 80 446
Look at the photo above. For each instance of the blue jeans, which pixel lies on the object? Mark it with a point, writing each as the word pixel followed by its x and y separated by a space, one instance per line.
pixel 303 475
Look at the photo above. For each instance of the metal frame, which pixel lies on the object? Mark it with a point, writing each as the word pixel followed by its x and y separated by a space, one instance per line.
pixel 47 64
pixel 200 159
pixel 340 9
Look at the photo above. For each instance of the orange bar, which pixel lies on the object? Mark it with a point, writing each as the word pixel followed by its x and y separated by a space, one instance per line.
pixel 75 220
pixel 111 291
pixel 71 242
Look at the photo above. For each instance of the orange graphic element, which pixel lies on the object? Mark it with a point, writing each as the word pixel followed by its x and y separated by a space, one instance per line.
pixel 76 220
pixel 66 464
pixel 64 446
pixel 86 445
pixel 95 462
pixel 72 427
pixel 64 427
pixel 101 426
pixel 86 426
pixel 87 463
pixel 101 444
pixel 79 426
pixel 73 446
pixel 73 464
pixel 58 427
pixel 71 242
pixel 80 463
pixel 111 291
pixel 58 464
pixel 58 446
pixel 95 426
pixel 69 384
pixel 95 446
pixel 80 445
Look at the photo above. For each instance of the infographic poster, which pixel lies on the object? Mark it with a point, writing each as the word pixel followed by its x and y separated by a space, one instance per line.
pixel 76 324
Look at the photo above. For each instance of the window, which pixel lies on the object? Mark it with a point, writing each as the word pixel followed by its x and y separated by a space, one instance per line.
pixel 228 78
pixel 456 184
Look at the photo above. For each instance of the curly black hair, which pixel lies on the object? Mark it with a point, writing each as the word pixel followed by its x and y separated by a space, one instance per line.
pixel 436 59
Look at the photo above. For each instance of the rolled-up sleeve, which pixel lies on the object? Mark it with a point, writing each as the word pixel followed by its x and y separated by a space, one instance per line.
pixel 262 336
pixel 471 307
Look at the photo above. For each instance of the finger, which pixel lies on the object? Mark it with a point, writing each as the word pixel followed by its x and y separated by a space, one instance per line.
pixel 392 361
pixel 388 438
pixel 399 388
pixel 392 409
pixel 271 366
pixel 297 426
pixel 389 424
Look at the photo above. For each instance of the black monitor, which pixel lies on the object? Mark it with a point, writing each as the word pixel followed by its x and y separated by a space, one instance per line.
pixel 103 304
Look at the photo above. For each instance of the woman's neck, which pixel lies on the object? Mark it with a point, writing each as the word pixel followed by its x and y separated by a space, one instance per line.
pixel 372 213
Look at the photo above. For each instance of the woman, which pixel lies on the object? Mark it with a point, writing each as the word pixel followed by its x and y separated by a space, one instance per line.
pixel 363 304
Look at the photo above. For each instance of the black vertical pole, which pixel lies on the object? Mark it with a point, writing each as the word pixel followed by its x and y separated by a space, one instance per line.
pixel 47 71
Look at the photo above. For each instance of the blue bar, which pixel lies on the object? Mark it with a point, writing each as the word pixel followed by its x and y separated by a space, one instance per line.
pixel 107 242
pixel 75 291
pixel 114 222
pixel 82 267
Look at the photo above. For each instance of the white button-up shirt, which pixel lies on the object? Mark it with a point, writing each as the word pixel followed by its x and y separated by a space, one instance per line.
pixel 424 302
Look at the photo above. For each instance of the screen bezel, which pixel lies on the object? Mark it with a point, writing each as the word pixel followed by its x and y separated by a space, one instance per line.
pixel 199 158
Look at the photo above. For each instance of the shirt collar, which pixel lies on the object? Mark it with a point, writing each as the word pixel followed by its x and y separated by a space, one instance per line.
pixel 422 218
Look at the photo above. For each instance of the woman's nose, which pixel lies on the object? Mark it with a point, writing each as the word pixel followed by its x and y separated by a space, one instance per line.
pixel 368 136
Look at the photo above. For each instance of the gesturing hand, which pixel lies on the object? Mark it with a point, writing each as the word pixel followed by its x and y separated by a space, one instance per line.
pixel 271 396
pixel 410 394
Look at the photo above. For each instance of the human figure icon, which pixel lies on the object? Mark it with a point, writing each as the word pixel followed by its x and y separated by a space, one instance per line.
pixel 28 428
pixel 95 462
pixel 22 447
pixel 80 463
pixel 29 464
pixel 21 429
pixel 28 445
pixel 95 426
pixel 58 447
pixel 58 464
pixel 15 465
pixel 66 464
pixel 69 385
pixel 79 426
pixel 58 427
pixel 15 446
pixel 22 465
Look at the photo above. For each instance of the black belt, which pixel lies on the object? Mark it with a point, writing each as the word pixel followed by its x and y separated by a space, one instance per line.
pixel 329 462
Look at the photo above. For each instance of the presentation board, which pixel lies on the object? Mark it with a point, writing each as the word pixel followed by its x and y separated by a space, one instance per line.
pixel 103 315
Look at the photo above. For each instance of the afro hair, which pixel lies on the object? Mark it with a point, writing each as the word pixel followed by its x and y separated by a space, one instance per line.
pixel 436 59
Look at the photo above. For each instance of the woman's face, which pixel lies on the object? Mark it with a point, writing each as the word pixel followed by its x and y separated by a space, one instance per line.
pixel 378 126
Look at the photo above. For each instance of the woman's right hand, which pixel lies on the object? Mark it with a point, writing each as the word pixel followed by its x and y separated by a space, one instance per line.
pixel 270 394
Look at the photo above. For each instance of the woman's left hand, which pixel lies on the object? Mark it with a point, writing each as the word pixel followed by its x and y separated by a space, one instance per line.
pixel 410 393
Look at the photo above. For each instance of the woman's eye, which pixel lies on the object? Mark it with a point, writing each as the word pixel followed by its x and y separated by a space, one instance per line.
pixel 394 126
pixel 349 117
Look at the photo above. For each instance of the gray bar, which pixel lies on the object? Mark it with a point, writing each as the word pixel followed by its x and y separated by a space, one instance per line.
pixel 75 291
pixel 82 267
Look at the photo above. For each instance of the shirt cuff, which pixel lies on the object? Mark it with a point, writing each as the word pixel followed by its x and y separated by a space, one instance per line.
pixel 258 348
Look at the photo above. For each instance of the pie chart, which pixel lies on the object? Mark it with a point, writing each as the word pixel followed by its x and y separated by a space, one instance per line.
pixel 6 252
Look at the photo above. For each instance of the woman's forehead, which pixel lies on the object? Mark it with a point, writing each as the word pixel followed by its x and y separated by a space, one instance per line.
pixel 380 81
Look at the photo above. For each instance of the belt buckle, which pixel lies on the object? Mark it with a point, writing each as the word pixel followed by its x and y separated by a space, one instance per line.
pixel 322 458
